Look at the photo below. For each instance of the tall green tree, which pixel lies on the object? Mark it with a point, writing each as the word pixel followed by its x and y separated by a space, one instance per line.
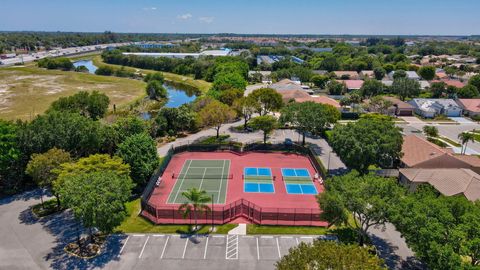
pixel 265 123
pixel 43 167
pixel 155 90
pixel 367 197
pixel 215 114
pixel 93 105
pixel 197 203
pixel 431 131
pixel 371 88
pixel 336 88
pixel 156 76
pixel 466 137
pixel 71 132
pixel 140 152
pixel 245 107
pixel 309 117
pixel 475 81
pixel 405 88
pixel 427 72
pixel 97 199
pixel 10 153
pixel 468 91
pixel 224 81
pixel 367 142
pixel 267 99
pixel 379 73
pixel 329 255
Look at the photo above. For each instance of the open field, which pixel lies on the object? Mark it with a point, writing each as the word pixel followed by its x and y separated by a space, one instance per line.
pixel 28 91
pixel 201 85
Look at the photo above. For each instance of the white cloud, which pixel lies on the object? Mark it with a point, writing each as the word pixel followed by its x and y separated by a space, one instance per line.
pixel 184 17
pixel 149 8
pixel 206 19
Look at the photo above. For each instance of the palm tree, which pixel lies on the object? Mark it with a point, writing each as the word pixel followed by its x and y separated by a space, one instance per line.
pixel 197 203
pixel 465 137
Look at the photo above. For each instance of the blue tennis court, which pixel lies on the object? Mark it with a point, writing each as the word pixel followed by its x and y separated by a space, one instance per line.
pixel 252 187
pixel 306 189
pixel 252 172
pixel 289 172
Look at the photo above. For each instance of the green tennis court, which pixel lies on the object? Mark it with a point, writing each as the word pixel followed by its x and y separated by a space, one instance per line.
pixel 209 175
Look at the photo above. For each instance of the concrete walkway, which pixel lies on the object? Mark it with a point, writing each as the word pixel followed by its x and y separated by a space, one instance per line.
pixel 241 229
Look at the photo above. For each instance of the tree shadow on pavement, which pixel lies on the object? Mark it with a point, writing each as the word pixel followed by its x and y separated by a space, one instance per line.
pixel 24 196
pixel 387 252
pixel 66 230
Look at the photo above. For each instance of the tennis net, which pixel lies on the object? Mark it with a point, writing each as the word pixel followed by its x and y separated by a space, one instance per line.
pixel 297 178
pixel 201 176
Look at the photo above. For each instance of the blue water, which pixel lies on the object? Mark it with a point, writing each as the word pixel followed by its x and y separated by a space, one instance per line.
pixel 88 64
pixel 178 97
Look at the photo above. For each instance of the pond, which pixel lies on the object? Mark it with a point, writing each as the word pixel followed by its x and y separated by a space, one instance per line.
pixel 177 96
pixel 88 64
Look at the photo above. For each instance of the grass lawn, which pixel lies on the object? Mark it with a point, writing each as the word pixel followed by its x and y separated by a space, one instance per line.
pixel 201 85
pixel 29 90
pixel 134 223
pixel 452 142
pixel 49 207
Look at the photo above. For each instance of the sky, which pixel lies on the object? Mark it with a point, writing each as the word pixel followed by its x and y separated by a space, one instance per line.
pixel 370 17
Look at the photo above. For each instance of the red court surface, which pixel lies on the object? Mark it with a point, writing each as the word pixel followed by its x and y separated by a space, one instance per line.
pixel 279 208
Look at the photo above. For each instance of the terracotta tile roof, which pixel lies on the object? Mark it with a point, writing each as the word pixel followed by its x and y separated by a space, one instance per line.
pixel 400 104
pixel 288 95
pixel 320 99
pixel 353 74
pixel 449 182
pixel 455 83
pixel 352 84
pixel 472 105
pixel 417 150
pixel 473 161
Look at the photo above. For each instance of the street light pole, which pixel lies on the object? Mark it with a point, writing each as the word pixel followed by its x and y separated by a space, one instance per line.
pixel 213 227
pixel 328 163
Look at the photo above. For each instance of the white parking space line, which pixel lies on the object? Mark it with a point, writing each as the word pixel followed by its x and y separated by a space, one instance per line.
pixel 296 239
pixel 143 248
pixel 164 247
pixel 206 247
pixel 218 236
pixel 306 237
pixel 258 251
pixel 278 248
pixel 124 244
pixel 185 248
pixel 158 235
pixel 139 235
pixel 286 237
pixel 267 237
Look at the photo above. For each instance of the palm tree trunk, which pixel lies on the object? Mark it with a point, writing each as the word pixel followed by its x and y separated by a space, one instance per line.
pixel 195 218
pixel 465 148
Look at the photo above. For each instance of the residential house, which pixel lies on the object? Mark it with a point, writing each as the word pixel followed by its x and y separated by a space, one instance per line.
pixel 420 153
pixel 367 74
pixel 450 82
pixel 302 96
pixel 447 181
pixel 400 108
pixel 429 108
pixel 412 75
pixel 352 84
pixel 471 107
pixel 286 84
pixel 266 76
pixel 347 75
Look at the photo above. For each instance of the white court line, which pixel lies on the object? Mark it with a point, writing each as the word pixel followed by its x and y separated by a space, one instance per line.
pixel 206 167
pixel 183 179
pixel 221 182
pixel 143 248
pixel 206 247
pixel 164 247
pixel 278 248
pixel 203 177
pixel 124 244
pixel 258 251
pixel 185 248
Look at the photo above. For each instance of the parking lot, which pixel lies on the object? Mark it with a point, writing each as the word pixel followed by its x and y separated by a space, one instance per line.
pixel 141 251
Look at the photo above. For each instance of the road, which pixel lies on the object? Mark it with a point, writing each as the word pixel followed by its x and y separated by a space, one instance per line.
pixel 25 58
